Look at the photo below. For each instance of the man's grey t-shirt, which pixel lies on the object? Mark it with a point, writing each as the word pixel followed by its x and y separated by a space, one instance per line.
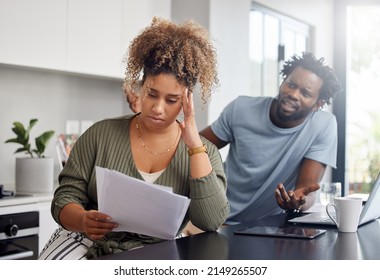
pixel 262 155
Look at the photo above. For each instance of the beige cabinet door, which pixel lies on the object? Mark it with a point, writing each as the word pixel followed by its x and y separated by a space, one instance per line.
pixel 33 33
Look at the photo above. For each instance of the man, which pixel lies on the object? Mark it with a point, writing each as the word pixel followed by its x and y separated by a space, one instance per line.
pixel 279 147
pixel 132 93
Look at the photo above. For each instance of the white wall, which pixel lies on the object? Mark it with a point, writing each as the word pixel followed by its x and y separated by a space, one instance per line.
pixel 230 26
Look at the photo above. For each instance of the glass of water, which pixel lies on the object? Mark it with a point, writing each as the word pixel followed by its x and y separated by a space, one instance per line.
pixel 330 190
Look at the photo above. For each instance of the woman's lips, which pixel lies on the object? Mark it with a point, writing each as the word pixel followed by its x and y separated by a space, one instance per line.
pixel 155 119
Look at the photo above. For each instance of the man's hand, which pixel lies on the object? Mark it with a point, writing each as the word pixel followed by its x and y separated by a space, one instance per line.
pixel 294 200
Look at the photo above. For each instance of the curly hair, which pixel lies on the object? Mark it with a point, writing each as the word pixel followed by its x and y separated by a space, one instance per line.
pixel 184 50
pixel 330 87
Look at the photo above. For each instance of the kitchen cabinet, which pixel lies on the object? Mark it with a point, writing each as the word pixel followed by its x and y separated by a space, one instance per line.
pixel 47 224
pixel 94 37
pixel 139 14
pixel 33 33
pixel 78 36
pixel 100 32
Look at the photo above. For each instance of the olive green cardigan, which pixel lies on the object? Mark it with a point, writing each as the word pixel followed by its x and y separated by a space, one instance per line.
pixel 107 144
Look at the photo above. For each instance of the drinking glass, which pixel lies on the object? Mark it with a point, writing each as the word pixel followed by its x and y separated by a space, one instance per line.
pixel 329 191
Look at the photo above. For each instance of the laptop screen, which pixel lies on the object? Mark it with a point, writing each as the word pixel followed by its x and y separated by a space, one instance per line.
pixel 371 208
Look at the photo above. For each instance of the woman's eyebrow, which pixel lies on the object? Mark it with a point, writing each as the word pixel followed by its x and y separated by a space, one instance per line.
pixel 175 94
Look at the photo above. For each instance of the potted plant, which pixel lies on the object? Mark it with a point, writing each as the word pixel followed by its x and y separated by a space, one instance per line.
pixel 34 173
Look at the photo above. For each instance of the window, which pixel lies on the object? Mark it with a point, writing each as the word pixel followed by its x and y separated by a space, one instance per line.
pixel 274 38
pixel 357 62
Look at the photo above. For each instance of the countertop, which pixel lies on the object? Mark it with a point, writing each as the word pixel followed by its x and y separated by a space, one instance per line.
pixel 25 198
pixel 22 198
pixel 24 202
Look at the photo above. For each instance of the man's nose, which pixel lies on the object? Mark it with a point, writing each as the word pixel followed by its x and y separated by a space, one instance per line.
pixel 294 93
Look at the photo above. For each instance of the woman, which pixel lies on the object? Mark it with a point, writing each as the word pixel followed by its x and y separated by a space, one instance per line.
pixel 151 145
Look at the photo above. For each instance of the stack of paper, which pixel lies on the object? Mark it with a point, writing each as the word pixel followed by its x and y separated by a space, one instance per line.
pixel 138 206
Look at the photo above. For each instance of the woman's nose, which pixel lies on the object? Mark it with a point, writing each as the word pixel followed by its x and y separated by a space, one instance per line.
pixel 158 107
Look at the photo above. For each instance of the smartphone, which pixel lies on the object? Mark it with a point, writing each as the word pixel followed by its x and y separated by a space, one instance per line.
pixel 293 232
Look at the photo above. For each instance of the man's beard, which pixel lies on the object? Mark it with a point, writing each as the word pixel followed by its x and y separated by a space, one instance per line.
pixel 294 116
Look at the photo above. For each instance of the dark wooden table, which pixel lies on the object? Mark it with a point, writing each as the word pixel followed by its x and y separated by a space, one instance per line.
pixel 226 245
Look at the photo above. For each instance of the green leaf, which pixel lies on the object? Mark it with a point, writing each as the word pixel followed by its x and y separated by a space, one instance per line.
pixel 42 141
pixel 31 124
pixel 19 129
pixel 22 134
pixel 19 150
pixel 23 138
pixel 13 140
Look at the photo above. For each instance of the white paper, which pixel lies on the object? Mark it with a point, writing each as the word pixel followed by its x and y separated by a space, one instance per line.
pixel 138 206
